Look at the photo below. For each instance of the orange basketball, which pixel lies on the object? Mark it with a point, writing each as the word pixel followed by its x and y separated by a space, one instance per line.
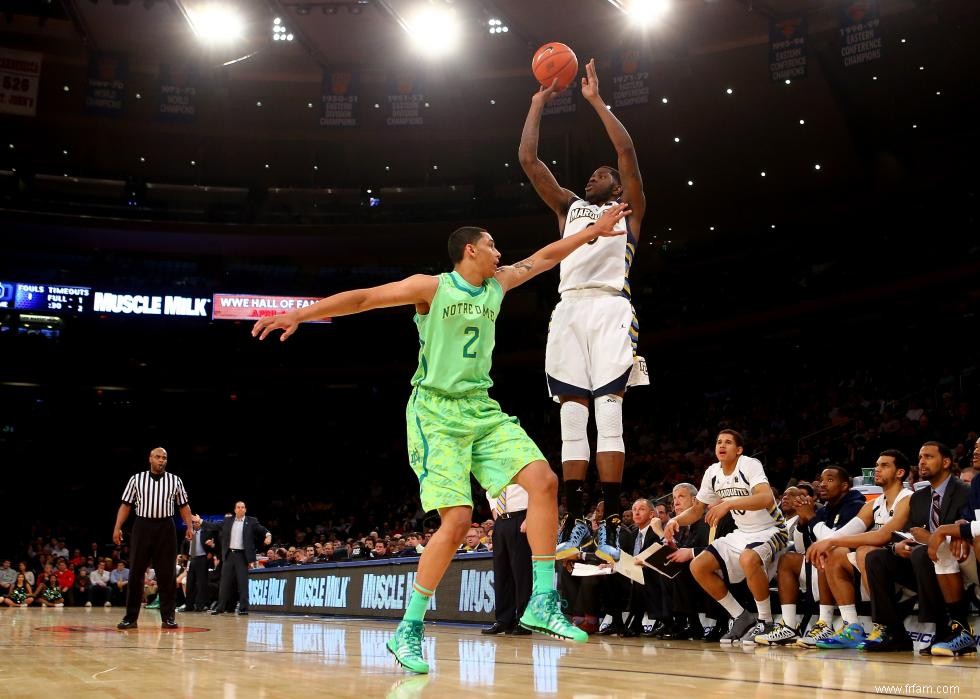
pixel 555 60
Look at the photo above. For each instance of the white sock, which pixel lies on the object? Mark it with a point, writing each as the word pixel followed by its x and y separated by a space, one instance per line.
pixel 849 613
pixel 731 605
pixel 790 617
pixel 827 614
pixel 765 609
pixel 866 622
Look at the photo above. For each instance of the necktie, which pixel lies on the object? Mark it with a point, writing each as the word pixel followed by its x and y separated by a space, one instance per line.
pixel 638 546
pixel 934 519
pixel 196 544
pixel 502 502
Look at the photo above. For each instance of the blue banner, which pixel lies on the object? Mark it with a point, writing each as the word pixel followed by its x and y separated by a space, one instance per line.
pixel 631 79
pixel 860 32
pixel 406 100
pixel 178 92
pixel 106 90
pixel 340 98
pixel 787 49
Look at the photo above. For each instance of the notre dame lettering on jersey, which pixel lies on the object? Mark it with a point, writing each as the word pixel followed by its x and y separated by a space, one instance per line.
pixel 457 336
pixel 602 264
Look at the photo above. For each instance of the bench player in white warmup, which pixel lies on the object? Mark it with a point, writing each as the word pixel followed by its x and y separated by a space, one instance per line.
pixel 737 484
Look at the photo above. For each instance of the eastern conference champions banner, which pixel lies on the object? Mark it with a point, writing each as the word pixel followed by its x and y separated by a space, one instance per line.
pixel 20 72
pixel 375 589
pixel 630 79
pixel 787 49
pixel 860 32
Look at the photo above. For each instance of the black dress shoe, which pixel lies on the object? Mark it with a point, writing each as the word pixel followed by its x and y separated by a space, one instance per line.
pixel 683 633
pixel 213 612
pixel 890 645
pixel 126 625
pixel 245 613
pixel 519 631
pixel 494 629
pixel 168 624
pixel 632 632
pixel 656 631
pixel 611 630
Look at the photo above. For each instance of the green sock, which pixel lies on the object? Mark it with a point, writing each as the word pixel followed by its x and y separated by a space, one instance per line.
pixel 543 568
pixel 418 603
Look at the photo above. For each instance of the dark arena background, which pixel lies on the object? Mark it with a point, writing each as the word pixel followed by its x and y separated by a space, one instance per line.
pixel 808 274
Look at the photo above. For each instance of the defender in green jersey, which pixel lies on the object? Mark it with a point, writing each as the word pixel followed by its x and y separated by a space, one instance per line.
pixel 454 427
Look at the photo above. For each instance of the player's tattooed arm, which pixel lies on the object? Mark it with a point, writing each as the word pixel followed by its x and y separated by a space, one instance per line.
pixel 513 275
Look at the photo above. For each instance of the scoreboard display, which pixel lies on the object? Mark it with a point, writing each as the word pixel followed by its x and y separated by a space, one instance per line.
pixel 48 298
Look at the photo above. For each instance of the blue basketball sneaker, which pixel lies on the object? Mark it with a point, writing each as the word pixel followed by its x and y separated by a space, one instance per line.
pixel 848 638
pixel 962 642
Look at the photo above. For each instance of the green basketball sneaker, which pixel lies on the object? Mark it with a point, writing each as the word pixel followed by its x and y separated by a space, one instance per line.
pixel 406 645
pixel 544 615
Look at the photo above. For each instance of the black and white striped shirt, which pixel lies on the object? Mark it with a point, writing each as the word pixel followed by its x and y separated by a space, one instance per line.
pixel 155 497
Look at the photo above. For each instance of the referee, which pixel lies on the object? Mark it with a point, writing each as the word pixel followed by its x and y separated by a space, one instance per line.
pixel 155 494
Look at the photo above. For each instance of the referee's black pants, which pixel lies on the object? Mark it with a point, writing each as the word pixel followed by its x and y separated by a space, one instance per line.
pixel 153 540
pixel 511 568
pixel 234 571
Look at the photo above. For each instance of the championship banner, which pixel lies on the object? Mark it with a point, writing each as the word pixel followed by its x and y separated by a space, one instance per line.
pixel 178 93
pixel 787 49
pixel 106 90
pixel 340 99
pixel 20 73
pixel 631 79
pixel 860 33
pixel 564 102
pixel 375 589
pixel 255 306
pixel 405 100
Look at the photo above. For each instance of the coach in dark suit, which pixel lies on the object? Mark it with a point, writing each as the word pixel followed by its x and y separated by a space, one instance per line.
pixel 908 564
pixel 239 537
pixel 647 598
pixel 204 540
pixel 685 595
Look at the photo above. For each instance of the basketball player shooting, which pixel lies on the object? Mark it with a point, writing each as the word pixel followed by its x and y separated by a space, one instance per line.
pixel 591 348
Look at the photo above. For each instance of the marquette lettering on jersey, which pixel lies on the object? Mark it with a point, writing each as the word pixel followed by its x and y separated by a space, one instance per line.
pixel 717 486
pixel 605 262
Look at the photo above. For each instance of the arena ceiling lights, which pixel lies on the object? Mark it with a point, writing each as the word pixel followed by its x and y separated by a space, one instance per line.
pixel 643 13
pixel 434 29
pixel 215 23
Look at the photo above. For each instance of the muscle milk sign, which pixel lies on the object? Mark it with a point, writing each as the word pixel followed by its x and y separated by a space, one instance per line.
pixel 389 591
pixel 329 591
pixel 145 305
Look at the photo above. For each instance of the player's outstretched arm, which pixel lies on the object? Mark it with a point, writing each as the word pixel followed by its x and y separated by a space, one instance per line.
pixel 554 195
pixel 627 164
pixel 550 255
pixel 417 289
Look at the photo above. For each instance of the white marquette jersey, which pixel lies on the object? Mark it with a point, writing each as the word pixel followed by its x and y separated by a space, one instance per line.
pixel 881 513
pixel 603 263
pixel 748 473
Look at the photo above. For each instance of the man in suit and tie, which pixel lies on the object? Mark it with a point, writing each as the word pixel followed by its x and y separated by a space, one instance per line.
pixel 239 537
pixel 205 536
pixel 647 598
pixel 686 596
pixel 907 563
pixel 511 560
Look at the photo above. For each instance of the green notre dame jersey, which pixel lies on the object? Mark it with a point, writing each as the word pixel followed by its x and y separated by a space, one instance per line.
pixel 457 336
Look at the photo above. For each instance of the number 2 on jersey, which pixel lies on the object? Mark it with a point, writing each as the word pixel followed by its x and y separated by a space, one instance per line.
pixel 475 332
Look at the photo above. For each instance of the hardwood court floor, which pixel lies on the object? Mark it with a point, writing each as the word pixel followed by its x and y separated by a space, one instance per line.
pixel 67 653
